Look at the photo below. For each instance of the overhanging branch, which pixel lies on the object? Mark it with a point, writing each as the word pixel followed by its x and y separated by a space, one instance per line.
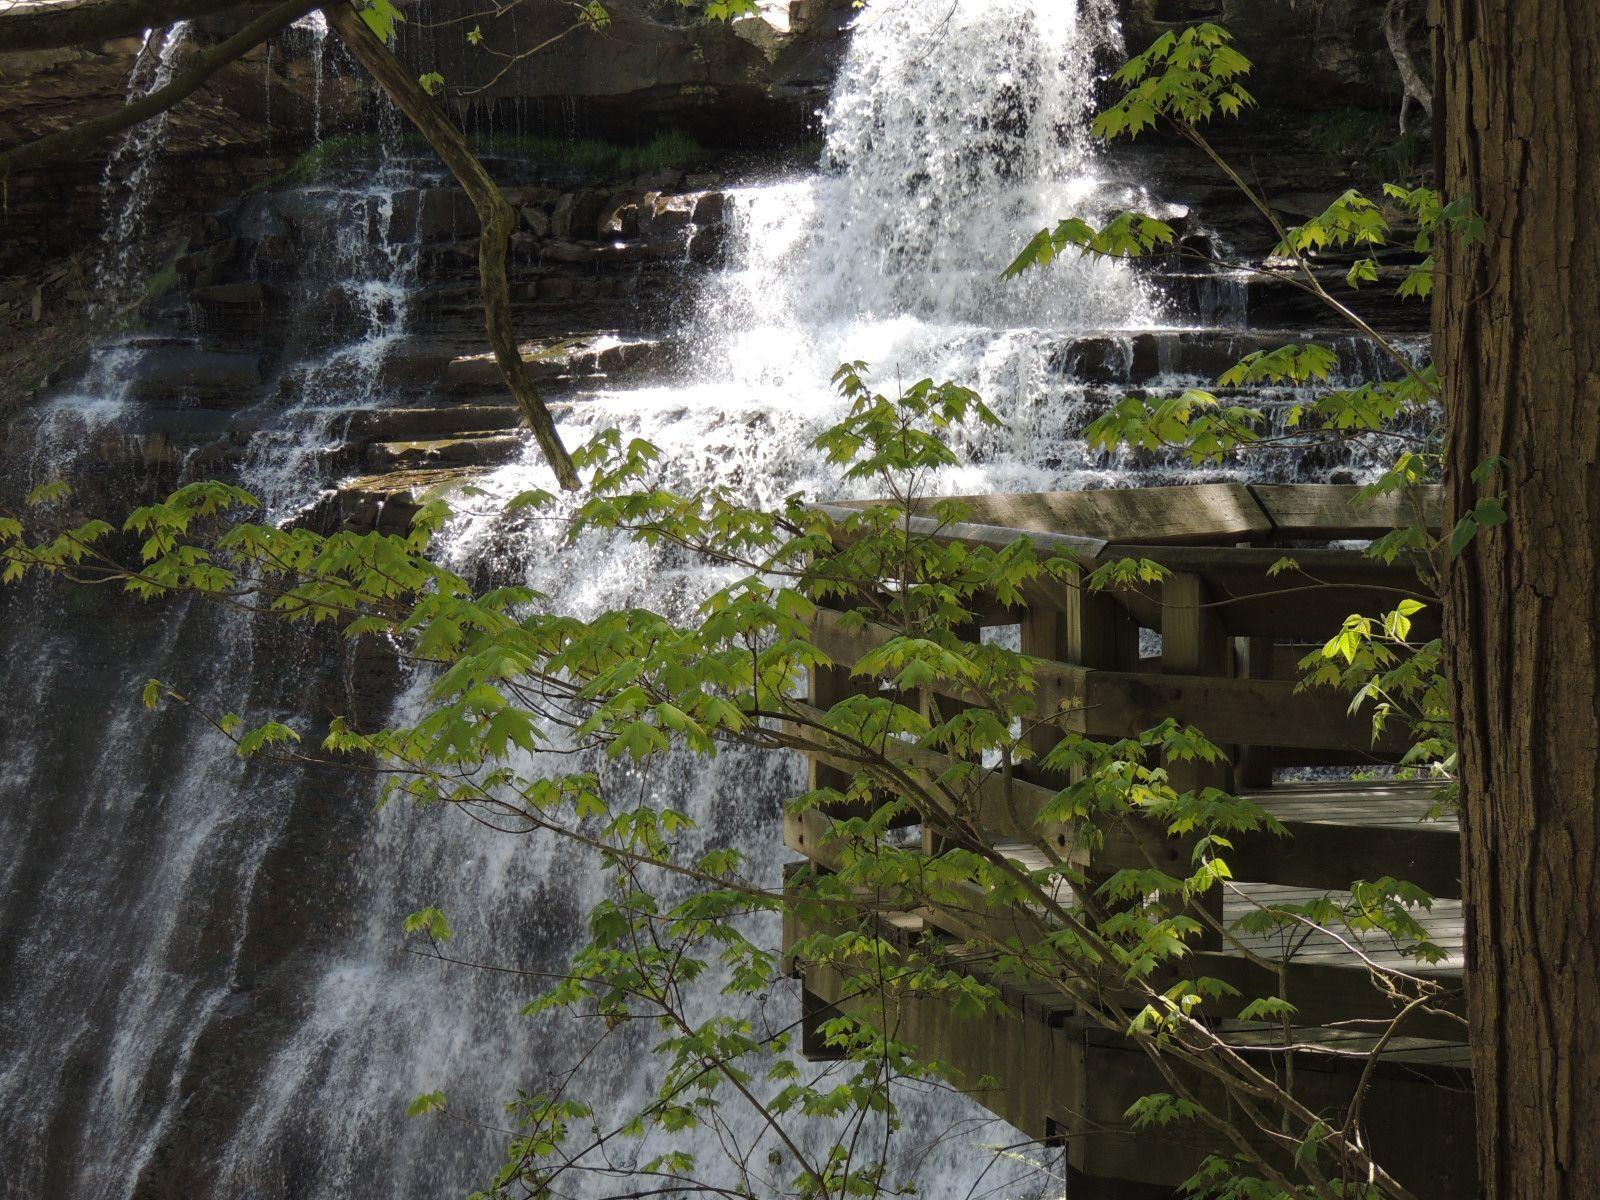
pixel 47 24
pixel 199 69
pixel 496 217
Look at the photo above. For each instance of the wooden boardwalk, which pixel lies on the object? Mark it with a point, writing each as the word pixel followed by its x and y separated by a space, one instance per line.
pixel 1230 635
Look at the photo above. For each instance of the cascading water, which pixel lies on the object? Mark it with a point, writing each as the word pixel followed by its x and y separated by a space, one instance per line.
pixel 953 136
pixel 133 904
pixel 127 189
pixel 130 175
pixel 374 265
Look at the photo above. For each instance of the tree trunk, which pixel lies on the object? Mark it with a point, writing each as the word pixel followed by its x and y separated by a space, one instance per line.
pixel 1518 344
pixel 495 215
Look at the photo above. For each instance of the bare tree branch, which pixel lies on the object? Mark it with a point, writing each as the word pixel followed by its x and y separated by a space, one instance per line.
pixel 495 214
pixel 1396 17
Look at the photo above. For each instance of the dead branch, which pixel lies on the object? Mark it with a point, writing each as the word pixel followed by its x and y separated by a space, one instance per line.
pixel 495 215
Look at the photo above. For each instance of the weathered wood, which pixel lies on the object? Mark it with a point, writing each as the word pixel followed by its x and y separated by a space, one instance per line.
pixel 1252 765
pixel 828 686
pixel 1232 636
pixel 1067 1081
pixel 1337 511
pixel 995 537
pixel 1195 513
pixel 1353 831
pixel 1005 808
pixel 1116 704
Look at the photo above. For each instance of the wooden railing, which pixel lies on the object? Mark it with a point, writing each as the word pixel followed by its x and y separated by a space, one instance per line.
pixel 1214 644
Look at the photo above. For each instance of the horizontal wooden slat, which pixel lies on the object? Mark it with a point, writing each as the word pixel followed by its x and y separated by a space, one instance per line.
pixel 1220 514
pixel 1334 511
pixel 1194 514
pixel 1002 807
pixel 1116 704
pixel 996 537
pixel 1327 984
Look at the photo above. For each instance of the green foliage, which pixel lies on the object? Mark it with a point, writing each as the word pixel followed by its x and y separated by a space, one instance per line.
pixel 1131 235
pixel 427 1102
pixel 510 677
pixel 1186 77
pixel 671 150
pixel 383 18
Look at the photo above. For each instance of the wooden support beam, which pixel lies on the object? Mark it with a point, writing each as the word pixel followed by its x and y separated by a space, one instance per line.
pixel 1186 514
pixel 1194 642
pixel 1253 768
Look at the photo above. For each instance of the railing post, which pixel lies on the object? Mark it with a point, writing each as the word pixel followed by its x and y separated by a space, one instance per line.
pixel 1253 765
pixel 936 707
pixel 1194 642
pixel 1088 629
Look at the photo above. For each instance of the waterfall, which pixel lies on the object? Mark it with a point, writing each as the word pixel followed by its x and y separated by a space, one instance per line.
pixel 371 278
pixel 139 955
pixel 161 991
pixel 952 137
pixel 131 175
pixel 127 189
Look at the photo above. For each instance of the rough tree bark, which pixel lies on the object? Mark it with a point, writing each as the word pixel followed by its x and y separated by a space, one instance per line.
pixel 1518 343
pixel 495 215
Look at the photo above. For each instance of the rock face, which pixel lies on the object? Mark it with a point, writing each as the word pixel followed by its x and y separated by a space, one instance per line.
pixel 245 125
pixel 724 82
pixel 1308 53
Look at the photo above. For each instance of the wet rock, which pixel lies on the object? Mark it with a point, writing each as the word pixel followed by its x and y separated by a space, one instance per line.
pixel 446 214
pixel 662 214
pixel 619 217
pixel 252 293
pixel 577 214
pixel 406 424
pixel 709 208
pixel 534 197
pixel 1093 360
pixel 386 502
pixel 705 244
pixel 175 374
pixel 659 181
pixel 1336 55
pixel 486 449
pixel 556 288
pixel 564 358
pixel 557 249
pixel 536 221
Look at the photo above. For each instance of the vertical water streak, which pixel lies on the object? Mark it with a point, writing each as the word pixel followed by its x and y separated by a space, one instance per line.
pixel 131 173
